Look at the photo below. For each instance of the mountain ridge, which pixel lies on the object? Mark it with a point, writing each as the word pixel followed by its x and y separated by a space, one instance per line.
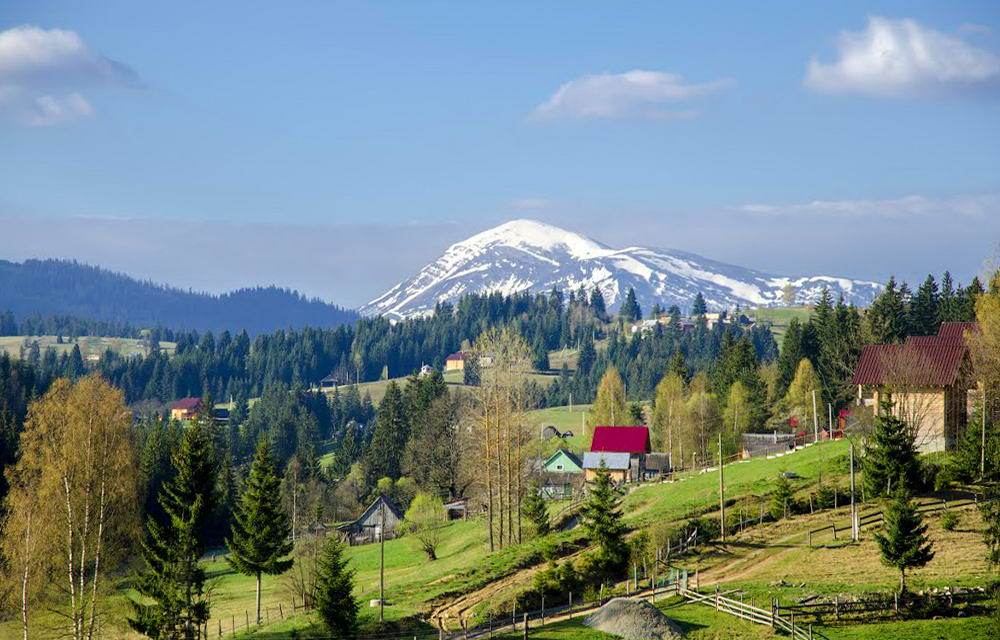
pixel 527 255
pixel 67 287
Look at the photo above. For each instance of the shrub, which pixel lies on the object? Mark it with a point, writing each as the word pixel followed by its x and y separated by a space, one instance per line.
pixel 949 520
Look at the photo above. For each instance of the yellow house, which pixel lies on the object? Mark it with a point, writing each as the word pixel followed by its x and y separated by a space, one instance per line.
pixel 456 361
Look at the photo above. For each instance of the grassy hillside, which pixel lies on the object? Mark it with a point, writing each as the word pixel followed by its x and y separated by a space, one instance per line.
pixel 779 317
pixel 89 345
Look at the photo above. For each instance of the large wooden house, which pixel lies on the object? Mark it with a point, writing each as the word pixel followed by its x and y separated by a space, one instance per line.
pixel 925 381
pixel 621 450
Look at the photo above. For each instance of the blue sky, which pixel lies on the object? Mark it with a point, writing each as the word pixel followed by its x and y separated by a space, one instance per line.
pixel 336 147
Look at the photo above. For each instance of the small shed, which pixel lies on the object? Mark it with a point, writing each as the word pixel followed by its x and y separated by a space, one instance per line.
pixel 457 509
pixel 380 518
pixel 330 382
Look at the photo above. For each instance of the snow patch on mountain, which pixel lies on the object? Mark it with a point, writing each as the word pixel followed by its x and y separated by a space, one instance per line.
pixel 526 255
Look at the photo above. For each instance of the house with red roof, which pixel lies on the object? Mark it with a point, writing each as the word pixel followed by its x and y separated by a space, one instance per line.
pixel 925 381
pixel 621 450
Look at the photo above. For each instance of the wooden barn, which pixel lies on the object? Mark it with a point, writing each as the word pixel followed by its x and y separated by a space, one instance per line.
pixel 380 518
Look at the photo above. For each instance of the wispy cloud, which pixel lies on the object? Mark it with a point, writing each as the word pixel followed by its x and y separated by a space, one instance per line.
pixel 902 57
pixel 966 206
pixel 530 204
pixel 633 94
pixel 43 71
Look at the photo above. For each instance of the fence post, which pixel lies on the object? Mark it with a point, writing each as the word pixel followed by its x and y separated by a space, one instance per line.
pixel 234 623
pixel 774 612
pixel 525 626
pixel 513 616
pixel 716 597
pixel 220 627
pixel 247 614
pixel 810 534
pixel 836 606
pixel 697 579
pixel 543 609
pixel 834 527
pixel 793 623
pixel 570 605
pixel 810 631
pixel 281 614
pixel 465 629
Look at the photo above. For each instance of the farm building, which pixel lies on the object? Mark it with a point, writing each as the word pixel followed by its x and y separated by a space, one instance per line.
pixel 562 461
pixel 330 382
pixel 926 379
pixel 632 442
pixel 185 408
pixel 381 517
pixel 456 361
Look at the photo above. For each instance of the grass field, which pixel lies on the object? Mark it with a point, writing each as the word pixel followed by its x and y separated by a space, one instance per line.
pixel 779 317
pixel 90 346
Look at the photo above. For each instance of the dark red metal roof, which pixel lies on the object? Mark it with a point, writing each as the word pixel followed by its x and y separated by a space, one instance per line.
pixel 187 403
pixel 621 439
pixel 924 362
pixel 458 355
pixel 956 330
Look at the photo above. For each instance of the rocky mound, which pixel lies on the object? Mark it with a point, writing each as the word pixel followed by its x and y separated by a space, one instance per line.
pixel 633 620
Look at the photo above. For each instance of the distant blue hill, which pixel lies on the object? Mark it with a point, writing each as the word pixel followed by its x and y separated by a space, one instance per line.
pixel 65 287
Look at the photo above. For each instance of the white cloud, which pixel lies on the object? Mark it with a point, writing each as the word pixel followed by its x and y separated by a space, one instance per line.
pixel 901 57
pixel 43 70
pixel 633 94
pixel 966 206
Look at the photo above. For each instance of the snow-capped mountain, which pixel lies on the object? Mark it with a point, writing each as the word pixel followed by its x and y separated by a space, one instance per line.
pixel 526 255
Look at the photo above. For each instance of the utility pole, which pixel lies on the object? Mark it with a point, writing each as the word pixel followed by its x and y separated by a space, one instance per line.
pixel 829 407
pixel 815 420
pixel 854 512
pixel 722 494
pixel 381 566
pixel 982 446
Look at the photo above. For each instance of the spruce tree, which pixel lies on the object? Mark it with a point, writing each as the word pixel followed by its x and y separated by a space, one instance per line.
pixel 989 509
pixel 385 453
pixel 597 304
pixel 698 307
pixel 630 310
pixel 333 591
pixel 925 313
pixel 261 532
pixel 903 542
pixel 534 509
pixel 602 522
pixel 782 502
pixel 174 603
pixel 890 456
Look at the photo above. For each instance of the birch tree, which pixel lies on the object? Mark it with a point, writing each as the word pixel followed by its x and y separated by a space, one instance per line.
pixel 499 423
pixel 75 507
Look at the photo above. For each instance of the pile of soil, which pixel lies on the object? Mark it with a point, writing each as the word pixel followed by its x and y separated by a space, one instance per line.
pixel 633 620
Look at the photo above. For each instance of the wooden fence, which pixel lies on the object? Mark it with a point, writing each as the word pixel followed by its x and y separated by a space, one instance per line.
pixel 740 609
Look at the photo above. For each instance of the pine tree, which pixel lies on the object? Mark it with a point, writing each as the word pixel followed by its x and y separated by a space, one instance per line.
pixel 602 522
pixel 535 510
pixel 333 592
pixel 630 310
pixel 886 317
pixel 989 509
pixel 782 502
pixel 698 307
pixel 903 542
pixel 385 453
pixel 261 531
pixel 597 304
pixel 609 407
pixel 174 580
pixel 587 356
pixel 890 456
pixel 925 314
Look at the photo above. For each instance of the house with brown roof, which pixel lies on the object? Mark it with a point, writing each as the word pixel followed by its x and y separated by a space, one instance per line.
pixel 185 408
pixel 926 379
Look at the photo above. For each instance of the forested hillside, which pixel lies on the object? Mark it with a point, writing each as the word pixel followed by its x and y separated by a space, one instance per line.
pixel 63 287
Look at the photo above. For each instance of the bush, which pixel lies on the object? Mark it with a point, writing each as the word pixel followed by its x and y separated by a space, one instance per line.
pixel 782 499
pixel 949 520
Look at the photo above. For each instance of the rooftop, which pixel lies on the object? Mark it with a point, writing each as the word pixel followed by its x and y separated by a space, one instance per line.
pixel 621 439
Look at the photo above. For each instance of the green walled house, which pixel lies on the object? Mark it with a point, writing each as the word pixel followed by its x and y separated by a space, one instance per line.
pixel 562 475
